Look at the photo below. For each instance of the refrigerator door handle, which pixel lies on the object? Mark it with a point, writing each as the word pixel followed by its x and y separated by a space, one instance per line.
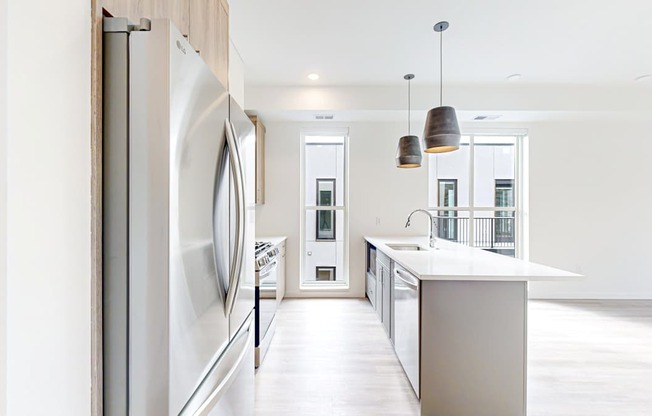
pixel 239 260
pixel 236 258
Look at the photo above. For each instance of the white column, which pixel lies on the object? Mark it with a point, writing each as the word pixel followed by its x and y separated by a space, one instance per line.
pixel 48 206
pixel 3 207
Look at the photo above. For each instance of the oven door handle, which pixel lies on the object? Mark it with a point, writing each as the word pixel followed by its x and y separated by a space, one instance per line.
pixel 267 270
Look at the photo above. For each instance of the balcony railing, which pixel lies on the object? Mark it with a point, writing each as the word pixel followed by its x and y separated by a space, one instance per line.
pixel 488 233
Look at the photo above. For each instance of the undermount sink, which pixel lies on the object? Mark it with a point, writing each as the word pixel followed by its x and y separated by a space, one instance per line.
pixel 407 247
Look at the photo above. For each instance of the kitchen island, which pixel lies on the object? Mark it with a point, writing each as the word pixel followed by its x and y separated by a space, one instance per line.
pixel 460 324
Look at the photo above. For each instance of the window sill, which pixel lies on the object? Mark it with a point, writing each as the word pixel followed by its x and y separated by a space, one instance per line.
pixel 324 287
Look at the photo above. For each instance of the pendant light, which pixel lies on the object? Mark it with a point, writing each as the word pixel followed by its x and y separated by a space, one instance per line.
pixel 441 133
pixel 408 153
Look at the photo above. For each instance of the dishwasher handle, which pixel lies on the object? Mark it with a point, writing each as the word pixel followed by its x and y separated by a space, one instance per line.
pixel 408 279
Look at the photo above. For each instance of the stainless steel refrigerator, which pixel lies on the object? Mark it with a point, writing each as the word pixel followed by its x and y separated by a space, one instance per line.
pixel 178 225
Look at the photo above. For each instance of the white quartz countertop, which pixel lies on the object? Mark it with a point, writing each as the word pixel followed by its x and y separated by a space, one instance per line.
pixel 452 261
pixel 275 240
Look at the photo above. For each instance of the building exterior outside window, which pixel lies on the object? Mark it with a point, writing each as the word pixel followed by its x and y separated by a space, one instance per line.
pixel 504 230
pixel 447 224
pixel 326 219
pixel 324 216
pixel 475 192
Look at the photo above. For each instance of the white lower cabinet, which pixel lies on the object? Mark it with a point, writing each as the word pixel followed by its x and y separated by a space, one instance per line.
pixel 280 277
pixel 379 287
pixel 383 264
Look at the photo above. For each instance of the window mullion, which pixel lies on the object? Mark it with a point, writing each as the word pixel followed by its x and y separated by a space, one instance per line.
pixel 518 198
pixel 471 191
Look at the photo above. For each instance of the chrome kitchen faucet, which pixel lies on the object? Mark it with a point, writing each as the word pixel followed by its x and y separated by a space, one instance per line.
pixel 433 225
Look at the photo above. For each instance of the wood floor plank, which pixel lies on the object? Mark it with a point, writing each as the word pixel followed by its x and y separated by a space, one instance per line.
pixel 590 358
pixel 332 357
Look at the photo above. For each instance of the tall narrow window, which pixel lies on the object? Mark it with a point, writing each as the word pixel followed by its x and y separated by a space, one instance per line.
pixel 325 219
pixel 476 192
pixel 447 224
pixel 504 223
pixel 324 216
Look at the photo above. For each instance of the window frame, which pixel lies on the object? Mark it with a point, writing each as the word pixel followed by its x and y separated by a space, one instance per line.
pixel 521 193
pixel 334 286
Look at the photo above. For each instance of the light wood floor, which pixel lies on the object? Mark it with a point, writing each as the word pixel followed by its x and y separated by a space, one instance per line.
pixel 590 358
pixel 331 357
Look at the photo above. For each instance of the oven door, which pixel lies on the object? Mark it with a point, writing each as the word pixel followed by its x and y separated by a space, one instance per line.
pixel 265 299
pixel 266 277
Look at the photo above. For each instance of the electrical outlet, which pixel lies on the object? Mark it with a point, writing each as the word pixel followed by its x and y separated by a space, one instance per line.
pixel 377 221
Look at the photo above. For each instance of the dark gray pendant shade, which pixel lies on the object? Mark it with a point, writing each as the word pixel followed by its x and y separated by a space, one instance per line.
pixel 408 153
pixel 442 132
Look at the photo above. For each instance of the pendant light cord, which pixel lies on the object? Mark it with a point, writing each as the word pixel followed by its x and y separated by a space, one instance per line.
pixel 409 107
pixel 441 68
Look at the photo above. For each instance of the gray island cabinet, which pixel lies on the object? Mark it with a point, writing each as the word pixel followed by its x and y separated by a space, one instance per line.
pixel 460 322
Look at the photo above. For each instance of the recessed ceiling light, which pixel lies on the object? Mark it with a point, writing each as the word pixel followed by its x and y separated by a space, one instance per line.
pixel 643 78
pixel 313 77
pixel 514 77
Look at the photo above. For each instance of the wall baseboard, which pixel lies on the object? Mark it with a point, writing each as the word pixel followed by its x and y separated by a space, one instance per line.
pixel 591 296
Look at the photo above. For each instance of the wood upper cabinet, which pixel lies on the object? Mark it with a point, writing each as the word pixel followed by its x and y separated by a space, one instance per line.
pixel 209 34
pixel 204 22
pixel 176 10
pixel 260 159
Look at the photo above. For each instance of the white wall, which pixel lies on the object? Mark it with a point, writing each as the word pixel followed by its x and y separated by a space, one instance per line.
pixel 590 192
pixel 3 207
pixel 589 183
pixel 48 174
pixel 377 191
pixel 512 102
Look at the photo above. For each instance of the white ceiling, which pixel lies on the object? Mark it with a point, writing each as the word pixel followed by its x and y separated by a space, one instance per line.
pixel 376 42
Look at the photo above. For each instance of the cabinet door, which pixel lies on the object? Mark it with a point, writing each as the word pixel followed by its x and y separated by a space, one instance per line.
pixel 260 160
pixel 260 163
pixel 280 277
pixel 379 290
pixel 176 10
pixel 209 34
pixel 222 52
pixel 387 289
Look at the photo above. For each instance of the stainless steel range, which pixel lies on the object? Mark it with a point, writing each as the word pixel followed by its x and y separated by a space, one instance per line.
pixel 265 300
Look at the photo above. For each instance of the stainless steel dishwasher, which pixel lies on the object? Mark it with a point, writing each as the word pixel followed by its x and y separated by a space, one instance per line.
pixel 406 323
